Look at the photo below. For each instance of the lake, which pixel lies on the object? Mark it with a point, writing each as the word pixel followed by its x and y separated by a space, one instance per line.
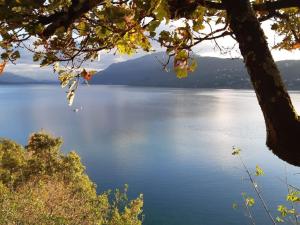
pixel 172 145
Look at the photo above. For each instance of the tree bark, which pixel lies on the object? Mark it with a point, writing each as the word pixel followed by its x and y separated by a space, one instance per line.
pixel 282 122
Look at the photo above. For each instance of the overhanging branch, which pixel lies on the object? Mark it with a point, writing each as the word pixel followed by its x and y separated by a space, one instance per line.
pixel 276 5
pixel 80 7
pixel 266 6
pixel 67 17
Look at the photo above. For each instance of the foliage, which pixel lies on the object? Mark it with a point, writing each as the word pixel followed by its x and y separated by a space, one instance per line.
pixel 75 31
pixel 71 78
pixel 72 32
pixel 287 213
pixel 288 27
pixel 40 185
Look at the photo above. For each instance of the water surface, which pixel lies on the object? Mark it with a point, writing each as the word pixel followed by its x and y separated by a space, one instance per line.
pixel 172 145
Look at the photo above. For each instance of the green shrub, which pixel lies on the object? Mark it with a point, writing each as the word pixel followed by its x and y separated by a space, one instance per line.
pixel 40 185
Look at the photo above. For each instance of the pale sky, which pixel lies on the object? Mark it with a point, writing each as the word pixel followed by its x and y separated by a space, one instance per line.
pixel 207 49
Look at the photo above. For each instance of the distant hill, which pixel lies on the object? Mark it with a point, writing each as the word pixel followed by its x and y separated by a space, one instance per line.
pixel 11 78
pixel 211 73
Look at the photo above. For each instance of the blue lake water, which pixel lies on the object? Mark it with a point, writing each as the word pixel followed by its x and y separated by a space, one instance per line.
pixel 172 145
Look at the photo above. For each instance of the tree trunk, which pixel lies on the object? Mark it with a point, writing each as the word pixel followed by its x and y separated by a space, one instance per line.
pixel 282 122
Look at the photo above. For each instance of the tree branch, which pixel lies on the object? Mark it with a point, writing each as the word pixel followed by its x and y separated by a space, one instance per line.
pixel 276 5
pixel 80 7
pixel 266 6
pixel 67 17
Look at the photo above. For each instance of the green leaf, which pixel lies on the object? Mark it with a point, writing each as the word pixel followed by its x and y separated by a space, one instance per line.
pixel 82 28
pixel 279 219
pixel 274 26
pixel 249 201
pixel 102 32
pixel 153 25
pixel 234 205
pixel 259 171
pixel 37 56
pixel 181 72
pixel 193 66
pixel 15 55
pixel 236 151
pixel 162 10
pixel 293 196
pixel 283 210
pixel 92 72
pixel 4 56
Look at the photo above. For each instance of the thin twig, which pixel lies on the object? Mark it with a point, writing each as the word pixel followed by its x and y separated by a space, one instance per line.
pixel 249 212
pixel 258 192
pixel 288 190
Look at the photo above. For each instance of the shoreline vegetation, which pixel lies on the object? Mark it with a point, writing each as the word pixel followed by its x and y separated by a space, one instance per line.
pixel 39 184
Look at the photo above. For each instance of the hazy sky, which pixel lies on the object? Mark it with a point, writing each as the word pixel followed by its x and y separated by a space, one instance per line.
pixel 27 68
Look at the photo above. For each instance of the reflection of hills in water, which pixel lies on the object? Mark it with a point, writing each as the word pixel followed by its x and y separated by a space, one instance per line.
pixel 211 73
pixel 172 145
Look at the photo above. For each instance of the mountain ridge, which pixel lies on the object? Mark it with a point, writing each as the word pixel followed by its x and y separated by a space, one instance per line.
pixel 11 78
pixel 8 78
pixel 212 72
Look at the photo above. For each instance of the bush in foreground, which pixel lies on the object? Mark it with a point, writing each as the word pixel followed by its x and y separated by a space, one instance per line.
pixel 40 185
